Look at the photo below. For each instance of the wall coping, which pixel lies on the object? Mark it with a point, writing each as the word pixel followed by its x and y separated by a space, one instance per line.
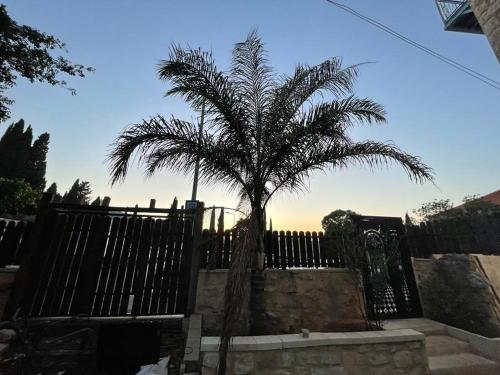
pixel 278 342
pixel 9 269
pixel 289 270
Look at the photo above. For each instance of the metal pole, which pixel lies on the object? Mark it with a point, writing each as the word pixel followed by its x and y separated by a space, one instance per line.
pixel 197 166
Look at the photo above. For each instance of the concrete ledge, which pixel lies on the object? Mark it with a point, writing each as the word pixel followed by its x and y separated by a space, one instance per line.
pixel 292 270
pixel 490 348
pixel 277 342
pixel 193 341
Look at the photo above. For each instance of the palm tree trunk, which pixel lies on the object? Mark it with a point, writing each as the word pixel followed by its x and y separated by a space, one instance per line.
pixel 257 296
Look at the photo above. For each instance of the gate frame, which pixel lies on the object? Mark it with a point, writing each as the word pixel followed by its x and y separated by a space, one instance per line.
pixel 386 224
pixel 30 269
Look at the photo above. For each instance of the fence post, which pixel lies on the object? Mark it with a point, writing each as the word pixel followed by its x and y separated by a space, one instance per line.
pixel 24 276
pixel 195 259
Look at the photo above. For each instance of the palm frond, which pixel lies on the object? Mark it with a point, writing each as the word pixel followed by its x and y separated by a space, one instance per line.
pixel 295 173
pixel 252 76
pixel 158 144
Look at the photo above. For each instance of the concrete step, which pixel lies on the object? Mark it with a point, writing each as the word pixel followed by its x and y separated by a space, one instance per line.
pixel 432 330
pixel 462 364
pixel 442 345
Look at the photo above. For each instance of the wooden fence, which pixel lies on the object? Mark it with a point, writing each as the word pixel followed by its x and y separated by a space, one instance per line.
pixel 13 235
pixel 110 261
pixel 478 234
pixel 283 250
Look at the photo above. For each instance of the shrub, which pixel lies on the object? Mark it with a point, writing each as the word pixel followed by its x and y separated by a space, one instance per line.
pixel 17 197
pixel 453 294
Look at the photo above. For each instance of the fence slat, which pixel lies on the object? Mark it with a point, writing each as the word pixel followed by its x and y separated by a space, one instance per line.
pixel 10 242
pixel 152 267
pixel 87 278
pixel 106 264
pixel 296 249
pixel 315 245
pixel 139 268
pixel 174 278
pixel 283 250
pixel 160 273
pixel 289 249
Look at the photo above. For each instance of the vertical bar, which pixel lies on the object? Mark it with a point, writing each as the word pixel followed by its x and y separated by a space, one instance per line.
pixel 276 251
pixel 315 246
pixel 296 249
pixel 310 256
pixel 88 274
pixel 282 252
pixel 289 249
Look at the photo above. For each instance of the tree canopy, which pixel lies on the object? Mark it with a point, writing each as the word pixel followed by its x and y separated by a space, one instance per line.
pixel 28 52
pixel 338 221
pixel 444 209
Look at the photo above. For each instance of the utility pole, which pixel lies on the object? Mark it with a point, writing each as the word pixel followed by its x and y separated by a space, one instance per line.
pixel 197 165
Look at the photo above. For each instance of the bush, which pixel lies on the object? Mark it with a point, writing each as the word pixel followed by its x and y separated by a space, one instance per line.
pixel 453 294
pixel 17 198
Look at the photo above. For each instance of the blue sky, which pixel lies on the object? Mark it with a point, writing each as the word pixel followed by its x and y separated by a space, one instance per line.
pixel 434 111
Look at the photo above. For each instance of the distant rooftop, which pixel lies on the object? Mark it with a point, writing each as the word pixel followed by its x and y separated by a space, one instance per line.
pixel 457 15
pixel 491 198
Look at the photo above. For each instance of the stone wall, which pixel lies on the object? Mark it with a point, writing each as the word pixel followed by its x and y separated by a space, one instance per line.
pixel 488 14
pixel 7 278
pixel 316 299
pixel 210 302
pixel 367 353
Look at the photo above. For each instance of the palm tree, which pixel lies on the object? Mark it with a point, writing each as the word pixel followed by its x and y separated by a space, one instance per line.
pixel 266 134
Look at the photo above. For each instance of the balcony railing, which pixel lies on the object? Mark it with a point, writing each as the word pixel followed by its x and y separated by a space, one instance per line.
pixel 457 15
pixel 449 9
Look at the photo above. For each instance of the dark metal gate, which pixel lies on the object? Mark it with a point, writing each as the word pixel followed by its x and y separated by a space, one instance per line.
pixel 109 261
pixel 390 286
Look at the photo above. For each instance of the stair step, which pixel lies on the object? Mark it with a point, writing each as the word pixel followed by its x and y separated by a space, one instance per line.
pixel 441 345
pixel 434 330
pixel 462 364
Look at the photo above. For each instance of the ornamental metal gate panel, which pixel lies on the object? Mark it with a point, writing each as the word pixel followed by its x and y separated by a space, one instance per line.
pixel 389 282
pixel 110 261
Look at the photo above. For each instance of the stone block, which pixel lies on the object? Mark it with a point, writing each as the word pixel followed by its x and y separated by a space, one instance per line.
pixel 330 370
pixel 330 357
pixel 378 358
pixel 6 335
pixel 244 363
pixel 402 359
pixel 210 360
pixel 287 358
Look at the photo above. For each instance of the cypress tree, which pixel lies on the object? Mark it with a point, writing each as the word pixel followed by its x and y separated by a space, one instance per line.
pixel 78 194
pixel 15 147
pixel 96 202
pixel 52 189
pixel 37 162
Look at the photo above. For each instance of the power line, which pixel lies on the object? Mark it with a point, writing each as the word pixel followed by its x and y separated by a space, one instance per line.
pixel 481 77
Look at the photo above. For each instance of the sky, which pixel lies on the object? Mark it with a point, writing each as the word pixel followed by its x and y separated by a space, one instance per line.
pixel 449 119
